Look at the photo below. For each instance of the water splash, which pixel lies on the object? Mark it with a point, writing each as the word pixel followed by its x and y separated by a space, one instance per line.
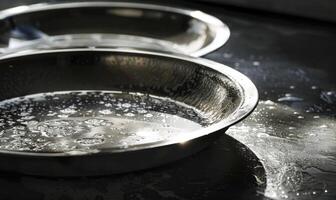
pixel 299 157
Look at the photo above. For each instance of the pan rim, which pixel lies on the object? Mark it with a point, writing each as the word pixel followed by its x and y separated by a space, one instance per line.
pixel 248 91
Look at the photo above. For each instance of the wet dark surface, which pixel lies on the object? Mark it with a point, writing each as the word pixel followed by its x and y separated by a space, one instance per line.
pixel 293 129
pixel 225 170
pixel 292 132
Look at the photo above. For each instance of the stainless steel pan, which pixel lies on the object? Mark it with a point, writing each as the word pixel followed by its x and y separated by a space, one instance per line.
pixel 110 24
pixel 93 112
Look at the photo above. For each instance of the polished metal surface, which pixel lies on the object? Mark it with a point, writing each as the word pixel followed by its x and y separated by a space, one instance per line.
pixel 204 97
pixel 110 24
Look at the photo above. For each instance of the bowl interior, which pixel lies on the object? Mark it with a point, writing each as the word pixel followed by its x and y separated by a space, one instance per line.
pixel 83 96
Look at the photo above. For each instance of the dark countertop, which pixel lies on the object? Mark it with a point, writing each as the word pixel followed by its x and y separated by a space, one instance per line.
pixel 285 150
pixel 318 9
pixel 293 130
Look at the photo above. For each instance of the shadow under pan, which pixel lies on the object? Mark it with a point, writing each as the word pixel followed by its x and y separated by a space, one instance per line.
pixel 235 174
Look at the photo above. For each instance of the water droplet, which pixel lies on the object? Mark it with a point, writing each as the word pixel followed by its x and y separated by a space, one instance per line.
pixel 24 114
pixel 256 63
pixel 124 145
pixel 105 112
pixel 59 128
pixel 142 111
pixel 90 141
pixel 227 55
pixel 148 115
pixel 292 87
pixel 313 87
pixel 68 111
pixel 95 121
pixel 126 105
pixel 51 114
pixel 108 105
pixel 129 114
pixel 27 118
pixel 41 140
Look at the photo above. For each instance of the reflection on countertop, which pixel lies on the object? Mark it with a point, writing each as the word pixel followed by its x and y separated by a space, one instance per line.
pixel 296 148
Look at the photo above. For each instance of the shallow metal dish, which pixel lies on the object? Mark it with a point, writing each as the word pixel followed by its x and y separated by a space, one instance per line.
pixel 191 101
pixel 111 24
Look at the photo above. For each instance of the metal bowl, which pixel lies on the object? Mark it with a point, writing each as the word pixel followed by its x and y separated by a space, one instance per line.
pixel 110 24
pixel 93 112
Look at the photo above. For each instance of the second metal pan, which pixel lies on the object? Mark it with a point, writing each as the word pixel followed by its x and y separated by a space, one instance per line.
pixel 111 24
